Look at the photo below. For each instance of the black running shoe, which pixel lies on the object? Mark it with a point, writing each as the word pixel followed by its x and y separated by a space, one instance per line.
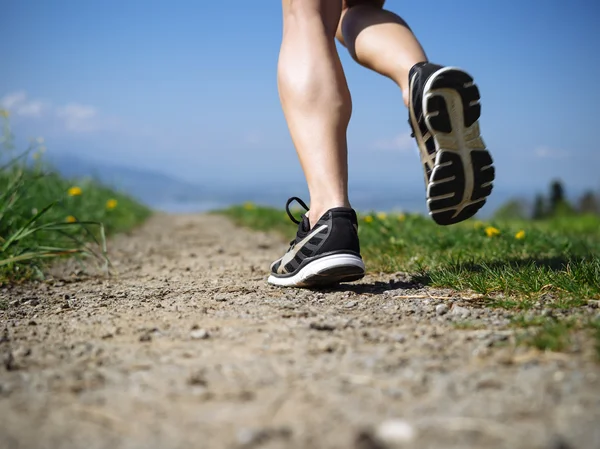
pixel 324 255
pixel 444 111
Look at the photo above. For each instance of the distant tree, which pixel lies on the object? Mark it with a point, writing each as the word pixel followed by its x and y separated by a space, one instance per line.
pixel 539 208
pixel 589 203
pixel 557 195
pixel 558 202
pixel 511 210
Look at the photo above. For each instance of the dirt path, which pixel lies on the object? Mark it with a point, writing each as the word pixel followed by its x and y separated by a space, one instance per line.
pixel 190 348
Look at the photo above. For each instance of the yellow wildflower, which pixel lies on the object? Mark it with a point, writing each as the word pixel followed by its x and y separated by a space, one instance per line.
pixel 478 225
pixel 249 206
pixel 36 155
pixel 401 217
pixel 74 191
pixel 491 231
pixel 4 113
pixel 368 219
pixel 111 204
pixel 382 215
pixel 520 235
pixel 42 149
pixel 71 219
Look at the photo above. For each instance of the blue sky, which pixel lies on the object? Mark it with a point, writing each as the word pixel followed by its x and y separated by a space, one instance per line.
pixel 189 88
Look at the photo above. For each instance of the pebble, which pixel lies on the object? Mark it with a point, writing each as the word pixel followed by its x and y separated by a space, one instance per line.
pixel 441 309
pixel 199 334
pixel 322 326
pixel 253 437
pixel 459 311
pixel 395 431
pixel 547 313
pixel 399 338
pixel 351 304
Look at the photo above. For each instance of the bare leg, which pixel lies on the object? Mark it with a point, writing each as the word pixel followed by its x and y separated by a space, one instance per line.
pixel 315 99
pixel 381 41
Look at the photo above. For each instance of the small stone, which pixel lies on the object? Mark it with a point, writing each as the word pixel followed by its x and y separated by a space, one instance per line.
pixel 199 334
pixel 441 309
pixel 558 442
pixel 322 326
pixel 221 298
pixel 547 313
pixel 459 311
pixel 395 431
pixel 351 304
pixel 146 337
pixel 10 362
pixel 197 379
pixel 253 437
pixel 399 338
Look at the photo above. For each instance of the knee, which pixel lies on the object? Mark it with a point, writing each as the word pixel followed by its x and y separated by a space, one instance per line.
pixel 353 21
pixel 303 9
pixel 323 14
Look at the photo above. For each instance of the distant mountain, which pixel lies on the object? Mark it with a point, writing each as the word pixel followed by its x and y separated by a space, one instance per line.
pixel 150 187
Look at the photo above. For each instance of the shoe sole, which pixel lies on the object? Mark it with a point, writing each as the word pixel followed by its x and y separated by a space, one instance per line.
pixel 326 270
pixel 463 173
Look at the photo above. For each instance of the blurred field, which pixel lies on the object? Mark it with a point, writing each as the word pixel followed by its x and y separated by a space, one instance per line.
pixel 44 216
pixel 512 261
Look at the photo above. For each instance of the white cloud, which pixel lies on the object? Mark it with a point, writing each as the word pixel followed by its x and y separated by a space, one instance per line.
pixel 545 152
pixel 402 142
pixel 78 117
pixel 19 104
pixel 74 117
pixel 13 99
pixel 31 109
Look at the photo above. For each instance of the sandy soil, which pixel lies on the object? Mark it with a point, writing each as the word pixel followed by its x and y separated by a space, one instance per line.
pixel 190 348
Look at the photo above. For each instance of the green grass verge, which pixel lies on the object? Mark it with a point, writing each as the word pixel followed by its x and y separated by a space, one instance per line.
pixel 557 259
pixel 44 216
pixel 513 264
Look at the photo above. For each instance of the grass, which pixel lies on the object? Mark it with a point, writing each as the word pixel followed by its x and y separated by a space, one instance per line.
pixel 515 264
pixel 595 328
pixel 44 216
pixel 552 335
pixel 557 259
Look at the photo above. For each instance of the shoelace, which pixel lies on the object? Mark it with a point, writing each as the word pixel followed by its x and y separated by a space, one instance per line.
pixel 287 207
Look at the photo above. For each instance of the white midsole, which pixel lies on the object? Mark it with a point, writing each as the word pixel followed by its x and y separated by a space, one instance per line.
pixel 316 267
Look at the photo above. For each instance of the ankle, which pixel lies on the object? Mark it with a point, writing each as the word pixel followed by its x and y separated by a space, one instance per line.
pixel 318 210
pixel 402 79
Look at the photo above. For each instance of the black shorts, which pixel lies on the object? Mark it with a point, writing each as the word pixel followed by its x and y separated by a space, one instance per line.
pixel 351 3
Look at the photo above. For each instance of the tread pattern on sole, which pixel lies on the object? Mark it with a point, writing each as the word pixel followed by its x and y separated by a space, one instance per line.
pixel 450 197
